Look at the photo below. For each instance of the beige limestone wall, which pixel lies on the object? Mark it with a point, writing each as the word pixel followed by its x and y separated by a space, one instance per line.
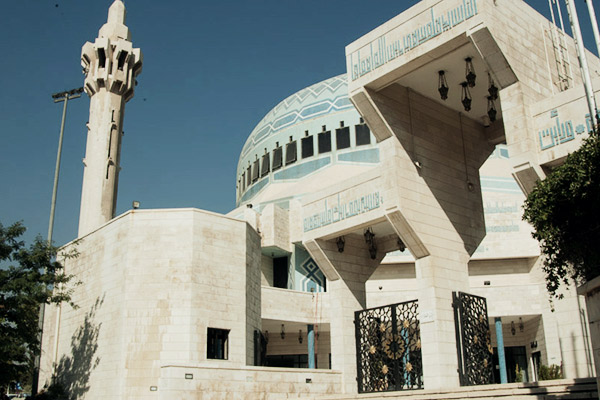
pixel 291 305
pixel 266 271
pixel 156 280
pixel 245 383
pixel 390 284
pixel 252 291
pixel 275 227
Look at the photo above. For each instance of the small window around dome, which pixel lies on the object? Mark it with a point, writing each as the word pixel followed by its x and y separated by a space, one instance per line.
pixel 291 154
pixel 249 176
pixel 243 182
pixel 255 170
pixel 324 139
pixel 266 164
pixel 308 146
pixel 277 158
pixel 342 137
pixel 363 134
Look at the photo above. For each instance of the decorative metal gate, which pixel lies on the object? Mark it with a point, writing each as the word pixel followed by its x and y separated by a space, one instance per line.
pixel 472 339
pixel 388 348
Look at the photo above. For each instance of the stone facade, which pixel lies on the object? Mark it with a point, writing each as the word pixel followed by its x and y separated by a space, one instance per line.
pixel 360 191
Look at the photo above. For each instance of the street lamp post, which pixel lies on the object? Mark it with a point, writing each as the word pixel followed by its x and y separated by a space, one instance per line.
pixel 583 64
pixel 58 97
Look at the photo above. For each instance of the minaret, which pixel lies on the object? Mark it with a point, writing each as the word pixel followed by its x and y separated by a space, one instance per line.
pixel 110 65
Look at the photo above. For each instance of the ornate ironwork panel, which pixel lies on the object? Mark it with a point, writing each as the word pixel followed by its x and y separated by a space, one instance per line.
pixel 472 339
pixel 388 348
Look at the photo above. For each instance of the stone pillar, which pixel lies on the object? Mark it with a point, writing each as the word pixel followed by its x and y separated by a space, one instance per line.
pixel 500 345
pixel 437 278
pixel 344 301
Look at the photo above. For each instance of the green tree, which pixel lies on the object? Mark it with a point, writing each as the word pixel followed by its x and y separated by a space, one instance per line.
pixel 563 210
pixel 29 276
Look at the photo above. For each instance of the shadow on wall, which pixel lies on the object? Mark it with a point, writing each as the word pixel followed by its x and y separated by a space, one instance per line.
pixel 73 371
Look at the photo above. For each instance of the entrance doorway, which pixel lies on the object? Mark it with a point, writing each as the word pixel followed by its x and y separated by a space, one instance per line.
pixel 515 356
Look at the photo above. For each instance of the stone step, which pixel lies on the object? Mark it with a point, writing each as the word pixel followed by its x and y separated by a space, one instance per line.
pixel 563 389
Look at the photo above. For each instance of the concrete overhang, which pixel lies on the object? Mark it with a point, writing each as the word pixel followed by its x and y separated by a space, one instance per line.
pixel 411 50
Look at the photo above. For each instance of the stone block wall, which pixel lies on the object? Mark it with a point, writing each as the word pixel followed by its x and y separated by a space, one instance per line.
pixel 251 383
pixel 157 279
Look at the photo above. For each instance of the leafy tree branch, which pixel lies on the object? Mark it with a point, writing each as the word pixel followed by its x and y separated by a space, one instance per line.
pixel 563 210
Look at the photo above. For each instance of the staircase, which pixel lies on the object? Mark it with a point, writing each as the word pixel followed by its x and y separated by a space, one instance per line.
pixel 563 389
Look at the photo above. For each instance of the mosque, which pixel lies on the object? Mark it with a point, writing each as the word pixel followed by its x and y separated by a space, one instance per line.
pixel 377 243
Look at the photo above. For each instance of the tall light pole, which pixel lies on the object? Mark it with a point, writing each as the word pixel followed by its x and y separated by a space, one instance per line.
pixel 58 97
pixel 594 24
pixel 585 73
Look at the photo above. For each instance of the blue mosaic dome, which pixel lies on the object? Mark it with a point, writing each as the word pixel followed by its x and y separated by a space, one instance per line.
pixel 309 131
pixel 328 96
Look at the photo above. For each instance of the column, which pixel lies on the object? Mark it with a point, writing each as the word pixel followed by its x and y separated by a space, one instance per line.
pixel 310 336
pixel 500 344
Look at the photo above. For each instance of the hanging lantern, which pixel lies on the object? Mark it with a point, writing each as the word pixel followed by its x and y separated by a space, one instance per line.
pixel 492 89
pixel 466 96
pixel 470 72
pixel 370 240
pixel 442 85
pixel 341 242
pixel 491 109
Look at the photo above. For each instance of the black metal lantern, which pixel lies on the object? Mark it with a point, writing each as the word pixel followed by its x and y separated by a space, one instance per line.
pixel 466 96
pixel 470 72
pixel 370 240
pixel 492 89
pixel 401 245
pixel 491 109
pixel 442 85
pixel 341 242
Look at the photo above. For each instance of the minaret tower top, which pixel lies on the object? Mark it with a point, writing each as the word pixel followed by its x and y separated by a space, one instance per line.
pixel 115 28
pixel 111 66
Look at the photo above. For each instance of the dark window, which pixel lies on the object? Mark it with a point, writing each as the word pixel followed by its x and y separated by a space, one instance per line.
pixel 255 170
pixel 342 138
pixel 280 272
pixel 308 147
pixel 243 181
pixel 324 139
pixel 290 153
pixel 277 158
pixel 217 343
pixel 121 60
pixel 249 176
pixel 101 58
pixel 266 164
pixel 363 134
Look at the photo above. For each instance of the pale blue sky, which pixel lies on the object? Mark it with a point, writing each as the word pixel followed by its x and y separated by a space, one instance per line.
pixel 211 71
